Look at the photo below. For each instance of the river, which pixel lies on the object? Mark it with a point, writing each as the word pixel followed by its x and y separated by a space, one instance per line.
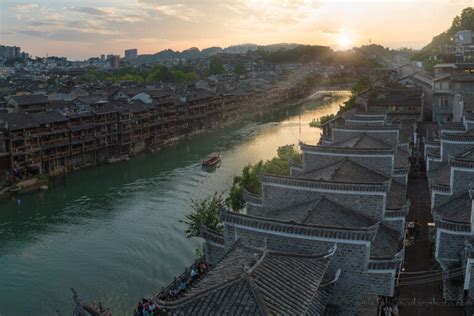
pixel 113 232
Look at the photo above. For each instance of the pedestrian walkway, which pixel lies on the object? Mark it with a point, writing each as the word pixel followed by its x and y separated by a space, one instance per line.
pixel 420 286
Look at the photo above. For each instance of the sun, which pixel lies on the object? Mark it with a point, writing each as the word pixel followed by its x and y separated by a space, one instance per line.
pixel 344 41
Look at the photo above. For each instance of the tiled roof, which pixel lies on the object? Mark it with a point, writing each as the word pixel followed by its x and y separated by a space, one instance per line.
pixel 388 96
pixel 91 99
pixel 363 141
pixel 30 99
pixel 48 117
pixel 397 196
pixel 327 212
pixel 401 159
pixel 345 170
pixel 386 243
pixel 352 171
pixel 406 131
pixel 16 121
pixel 367 141
pixel 321 211
pixel 251 281
pixel 441 174
pixel 134 107
pixel 456 209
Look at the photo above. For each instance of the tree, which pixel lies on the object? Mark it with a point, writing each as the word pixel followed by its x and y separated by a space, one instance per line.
pixel 250 178
pixel 216 67
pixel 362 84
pixel 240 69
pixel 205 212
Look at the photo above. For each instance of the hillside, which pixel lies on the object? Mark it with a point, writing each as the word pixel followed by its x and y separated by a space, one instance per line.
pixel 464 21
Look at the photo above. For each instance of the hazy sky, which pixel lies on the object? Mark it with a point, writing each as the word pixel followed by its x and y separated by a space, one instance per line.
pixel 84 28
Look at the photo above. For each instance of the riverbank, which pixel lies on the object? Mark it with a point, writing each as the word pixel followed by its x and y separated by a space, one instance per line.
pixel 243 112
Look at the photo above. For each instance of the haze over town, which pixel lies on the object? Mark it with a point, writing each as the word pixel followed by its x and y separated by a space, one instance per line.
pixel 78 31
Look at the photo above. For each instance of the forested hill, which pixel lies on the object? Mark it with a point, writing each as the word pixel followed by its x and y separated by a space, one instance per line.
pixel 464 21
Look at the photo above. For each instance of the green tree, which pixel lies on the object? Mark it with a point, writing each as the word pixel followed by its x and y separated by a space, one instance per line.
pixel 362 84
pixel 159 73
pixel 250 178
pixel 205 212
pixel 216 67
pixel 240 69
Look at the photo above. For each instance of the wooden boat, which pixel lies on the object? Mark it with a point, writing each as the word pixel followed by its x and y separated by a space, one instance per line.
pixel 211 161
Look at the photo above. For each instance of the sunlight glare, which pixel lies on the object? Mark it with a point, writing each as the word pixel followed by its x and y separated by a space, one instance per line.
pixel 344 41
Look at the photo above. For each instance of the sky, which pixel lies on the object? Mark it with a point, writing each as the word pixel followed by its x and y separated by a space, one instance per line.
pixel 85 28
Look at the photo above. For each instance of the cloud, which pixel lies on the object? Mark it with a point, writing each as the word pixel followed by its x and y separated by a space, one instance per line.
pixel 26 6
pixel 69 35
pixel 89 10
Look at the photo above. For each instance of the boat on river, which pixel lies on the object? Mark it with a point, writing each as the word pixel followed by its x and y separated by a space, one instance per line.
pixel 211 161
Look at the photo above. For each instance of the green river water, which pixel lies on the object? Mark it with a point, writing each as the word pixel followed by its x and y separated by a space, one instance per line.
pixel 113 232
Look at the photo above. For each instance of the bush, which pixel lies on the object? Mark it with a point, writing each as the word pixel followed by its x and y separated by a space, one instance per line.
pixel 250 178
pixel 322 120
pixel 205 212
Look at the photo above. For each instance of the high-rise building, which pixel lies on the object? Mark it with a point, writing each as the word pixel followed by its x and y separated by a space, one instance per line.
pixel 10 51
pixel 114 61
pixel 131 54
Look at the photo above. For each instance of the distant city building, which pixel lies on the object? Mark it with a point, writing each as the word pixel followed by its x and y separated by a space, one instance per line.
pixel 114 61
pixel 10 51
pixel 102 57
pixel 131 54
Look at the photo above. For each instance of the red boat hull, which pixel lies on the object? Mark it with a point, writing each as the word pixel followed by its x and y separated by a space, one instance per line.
pixel 212 161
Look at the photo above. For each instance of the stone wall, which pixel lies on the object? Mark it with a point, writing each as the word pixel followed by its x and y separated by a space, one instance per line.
pixel 80 161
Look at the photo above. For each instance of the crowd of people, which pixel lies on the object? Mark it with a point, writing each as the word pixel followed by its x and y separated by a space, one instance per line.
pixel 388 307
pixel 180 285
pixel 148 307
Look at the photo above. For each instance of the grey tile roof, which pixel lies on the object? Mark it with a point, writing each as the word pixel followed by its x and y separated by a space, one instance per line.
pixel 327 212
pixel 388 96
pixel 367 141
pixel 406 131
pixel 401 159
pixel 441 174
pixel 48 117
pixel 345 170
pixel 352 171
pixel 16 121
pixel 30 99
pixel 456 209
pixel 397 196
pixel 323 212
pixel 251 281
pixel 386 243
pixel 363 141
